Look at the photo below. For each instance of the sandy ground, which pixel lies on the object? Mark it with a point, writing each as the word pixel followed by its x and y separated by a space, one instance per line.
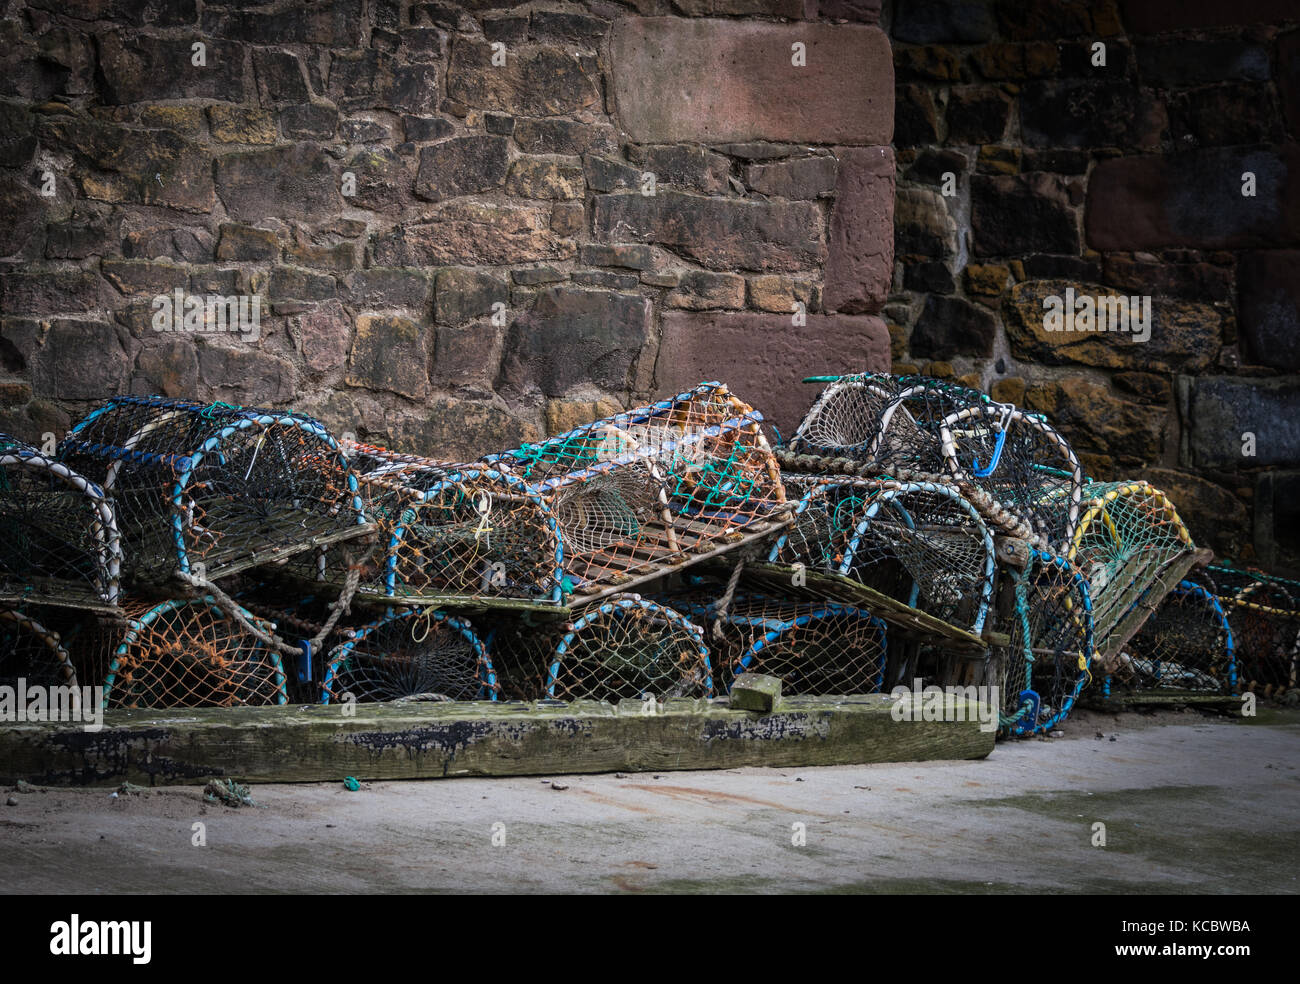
pixel 1190 803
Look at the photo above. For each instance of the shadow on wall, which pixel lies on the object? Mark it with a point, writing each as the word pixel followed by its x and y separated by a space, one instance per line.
pixel 1127 149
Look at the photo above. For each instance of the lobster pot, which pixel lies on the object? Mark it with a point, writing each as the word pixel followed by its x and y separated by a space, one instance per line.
pixel 212 490
pixel 1186 646
pixel 178 653
pixel 447 530
pixel 1264 613
pixel 920 543
pixel 1027 476
pixel 32 652
pixel 410 654
pixel 887 421
pixel 1127 537
pixel 625 647
pixel 1005 461
pixel 1049 658
pixel 815 649
pixel 644 491
pixel 59 541
pixel 844 420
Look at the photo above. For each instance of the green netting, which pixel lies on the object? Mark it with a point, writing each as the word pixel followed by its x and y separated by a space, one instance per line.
pixel 1186 646
pixel 920 543
pixel 1264 612
pixel 1049 658
pixel 1127 536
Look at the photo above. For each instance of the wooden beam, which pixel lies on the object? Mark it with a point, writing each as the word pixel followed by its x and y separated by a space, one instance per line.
pixel 1227 703
pixel 1129 624
pixel 756 692
pixel 320 743
pixel 902 618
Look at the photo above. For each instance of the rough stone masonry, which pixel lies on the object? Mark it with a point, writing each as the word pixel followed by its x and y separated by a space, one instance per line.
pixel 1100 146
pixel 468 224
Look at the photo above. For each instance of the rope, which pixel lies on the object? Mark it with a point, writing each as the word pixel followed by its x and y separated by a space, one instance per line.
pixel 227 604
pixel 1022 613
pixel 724 603
pixel 212 409
pixel 988 507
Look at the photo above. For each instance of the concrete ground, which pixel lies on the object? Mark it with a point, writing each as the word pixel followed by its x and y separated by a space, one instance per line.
pixel 1190 803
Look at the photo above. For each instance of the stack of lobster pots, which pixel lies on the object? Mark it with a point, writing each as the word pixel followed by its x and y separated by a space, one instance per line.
pixel 177 554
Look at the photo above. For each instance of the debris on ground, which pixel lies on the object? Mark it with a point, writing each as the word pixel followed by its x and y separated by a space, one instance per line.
pixel 227 792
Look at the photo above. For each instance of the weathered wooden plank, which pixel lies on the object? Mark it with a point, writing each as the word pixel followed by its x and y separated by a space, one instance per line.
pixel 420 741
pixel 1161 698
pixel 756 692
pixel 1116 637
pixel 589 593
pixel 908 621
pixel 486 604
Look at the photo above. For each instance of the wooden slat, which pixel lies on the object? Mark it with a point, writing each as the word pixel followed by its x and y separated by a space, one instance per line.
pixel 1160 698
pixel 466 603
pixel 437 740
pixel 1132 621
pixel 595 592
pixel 57 595
pixel 821 586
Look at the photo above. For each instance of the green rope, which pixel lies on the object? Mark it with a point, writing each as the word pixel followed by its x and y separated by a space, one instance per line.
pixel 1022 611
pixel 211 409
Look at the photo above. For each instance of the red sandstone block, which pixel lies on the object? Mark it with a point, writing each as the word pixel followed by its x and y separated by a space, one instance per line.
pixel 763 357
pixel 860 262
pixel 719 81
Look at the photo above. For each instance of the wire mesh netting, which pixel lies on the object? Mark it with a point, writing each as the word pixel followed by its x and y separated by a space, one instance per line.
pixel 653 487
pixel 920 543
pixel 625 647
pixel 816 649
pixel 296 620
pixel 1264 613
pixel 1048 660
pixel 31 652
pixel 1186 646
pixel 844 419
pixel 1007 462
pixel 59 540
pixel 177 653
pixel 1021 463
pixel 454 530
pixel 887 420
pixel 1128 535
pixel 423 653
pixel 909 441
pixel 213 488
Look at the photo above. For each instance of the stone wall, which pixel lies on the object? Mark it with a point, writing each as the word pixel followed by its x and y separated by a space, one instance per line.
pixel 468 224
pixel 1101 145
